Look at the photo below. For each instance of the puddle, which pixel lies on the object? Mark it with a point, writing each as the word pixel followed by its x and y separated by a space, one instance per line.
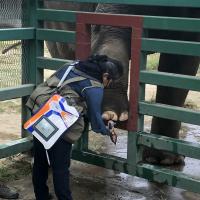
pixel 151 191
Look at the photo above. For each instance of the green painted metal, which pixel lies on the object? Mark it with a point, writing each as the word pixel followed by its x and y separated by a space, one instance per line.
pixel 134 151
pixel 170 112
pixel 102 160
pixel 55 35
pixel 170 80
pixel 137 140
pixel 82 143
pixel 17 34
pixel 150 172
pixel 34 36
pixel 171 46
pixel 173 3
pixel 28 19
pixel 150 22
pixel 15 147
pixel 56 15
pixel 172 23
pixel 16 92
pixel 29 49
pixel 167 176
pixel 143 64
pixel 177 146
pixel 51 63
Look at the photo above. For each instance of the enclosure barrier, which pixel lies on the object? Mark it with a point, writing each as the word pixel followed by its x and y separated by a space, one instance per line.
pixel 35 35
pixel 26 35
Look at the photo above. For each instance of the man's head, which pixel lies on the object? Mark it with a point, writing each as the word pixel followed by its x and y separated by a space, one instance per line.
pixel 102 68
pixel 111 69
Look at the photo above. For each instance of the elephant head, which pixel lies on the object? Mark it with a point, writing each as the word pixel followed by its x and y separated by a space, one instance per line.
pixel 58 49
pixel 113 41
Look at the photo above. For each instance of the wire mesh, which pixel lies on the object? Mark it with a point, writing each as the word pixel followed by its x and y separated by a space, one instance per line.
pixel 10 63
pixel 11 57
pixel 10 13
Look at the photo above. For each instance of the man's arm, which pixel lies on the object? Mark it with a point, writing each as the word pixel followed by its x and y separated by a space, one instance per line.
pixel 94 97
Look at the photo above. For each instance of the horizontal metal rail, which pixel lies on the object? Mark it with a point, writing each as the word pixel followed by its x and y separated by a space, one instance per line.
pixel 15 147
pixel 171 46
pixel 150 172
pixel 177 146
pixel 170 80
pixel 172 23
pixel 169 177
pixel 171 3
pixel 17 34
pixel 51 63
pixel 16 92
pixel 102 160
pixel 55 35
pixel 56 15
pixel 150 22
pixel 170 112
pixel 148 44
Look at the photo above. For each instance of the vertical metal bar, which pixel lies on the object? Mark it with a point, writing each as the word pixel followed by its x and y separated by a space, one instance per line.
pixel 136 40
pixel 83 40
pixel 82 143
pixel 39 46
pixel 132 149
pixel 28 54
pixel 83 48
pixel 138 150
pixel 143 62
pixel 31 49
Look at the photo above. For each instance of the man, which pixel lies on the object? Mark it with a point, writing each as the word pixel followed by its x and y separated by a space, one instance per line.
pixel 83 89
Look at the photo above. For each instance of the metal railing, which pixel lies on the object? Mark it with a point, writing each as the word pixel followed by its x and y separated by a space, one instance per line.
pixel 35 34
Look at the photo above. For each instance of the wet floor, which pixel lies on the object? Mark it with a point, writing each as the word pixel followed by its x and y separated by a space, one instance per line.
pixel 89 182
pixel 151 190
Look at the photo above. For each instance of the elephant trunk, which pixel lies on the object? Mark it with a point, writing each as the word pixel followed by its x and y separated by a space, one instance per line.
pixel 112 41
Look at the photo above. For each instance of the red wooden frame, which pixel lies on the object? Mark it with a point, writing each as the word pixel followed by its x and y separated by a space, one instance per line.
pixel 83 49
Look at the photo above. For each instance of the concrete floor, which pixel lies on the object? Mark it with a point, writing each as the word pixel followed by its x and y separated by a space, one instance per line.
pixel 90 182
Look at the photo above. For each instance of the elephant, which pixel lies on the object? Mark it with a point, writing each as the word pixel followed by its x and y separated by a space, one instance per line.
pixel 115 42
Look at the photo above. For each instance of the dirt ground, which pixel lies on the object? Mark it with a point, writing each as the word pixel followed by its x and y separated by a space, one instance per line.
pixel 95 183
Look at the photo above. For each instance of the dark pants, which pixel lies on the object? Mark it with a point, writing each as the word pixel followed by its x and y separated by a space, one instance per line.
pixel 59 156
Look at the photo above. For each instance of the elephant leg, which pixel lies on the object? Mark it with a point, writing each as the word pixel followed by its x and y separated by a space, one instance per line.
pixel 59 49
pixel 187 65
pixel 51 46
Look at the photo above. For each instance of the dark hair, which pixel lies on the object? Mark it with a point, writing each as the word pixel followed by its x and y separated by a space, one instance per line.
pixel 108 65
pixel 96 65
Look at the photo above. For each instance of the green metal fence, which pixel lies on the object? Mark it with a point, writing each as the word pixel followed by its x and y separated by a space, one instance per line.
pixel 33 37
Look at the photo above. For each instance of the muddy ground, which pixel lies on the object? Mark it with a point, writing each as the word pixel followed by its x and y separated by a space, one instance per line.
pixel 91 182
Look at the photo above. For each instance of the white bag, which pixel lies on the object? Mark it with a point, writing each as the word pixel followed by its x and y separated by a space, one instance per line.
pixel 52 120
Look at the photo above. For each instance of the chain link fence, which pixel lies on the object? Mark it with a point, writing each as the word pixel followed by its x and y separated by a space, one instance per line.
pixel 11 51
